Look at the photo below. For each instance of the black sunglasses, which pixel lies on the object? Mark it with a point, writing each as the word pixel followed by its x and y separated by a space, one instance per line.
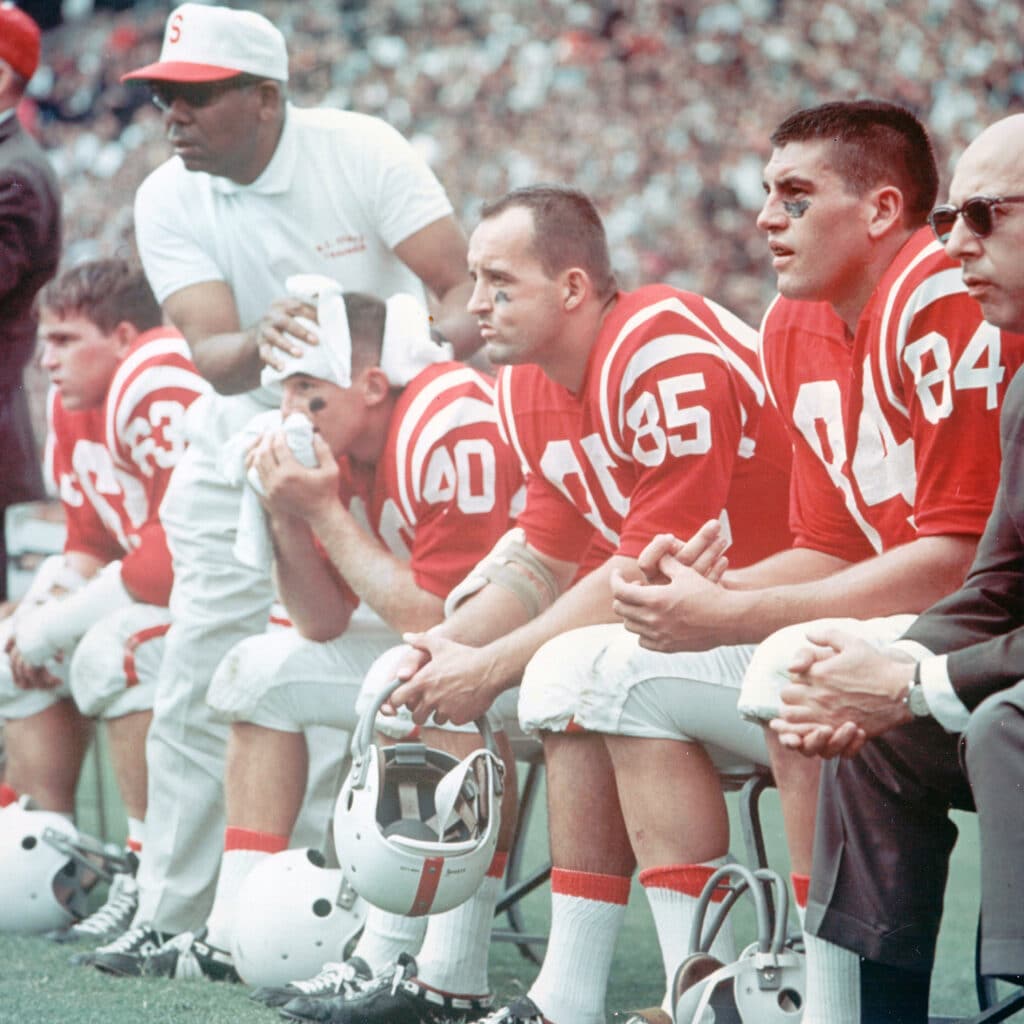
pixel 196 94
pixel 976 212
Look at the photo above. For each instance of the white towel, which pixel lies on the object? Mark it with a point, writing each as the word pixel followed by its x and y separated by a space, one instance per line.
pixel 407 347
pixel 331 359
pixel 252 542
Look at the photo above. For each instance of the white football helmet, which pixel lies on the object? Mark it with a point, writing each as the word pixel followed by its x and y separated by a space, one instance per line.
pixel 415 828
pixel 765 984
pixel 41 887
pixel 294 915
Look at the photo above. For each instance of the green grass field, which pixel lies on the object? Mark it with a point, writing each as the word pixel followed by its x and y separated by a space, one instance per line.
pixel 37 985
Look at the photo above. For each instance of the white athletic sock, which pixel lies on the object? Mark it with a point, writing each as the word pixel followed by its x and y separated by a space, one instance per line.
pixel 833 983
pixel 453 958
pixel 243 850
pixel 386 935
pixel 800 884
pixel 673 892
pixel 136 835
pixel 586 915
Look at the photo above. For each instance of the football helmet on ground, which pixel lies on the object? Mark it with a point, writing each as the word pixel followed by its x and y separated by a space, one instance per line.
pixel 294 915
pixel 44 877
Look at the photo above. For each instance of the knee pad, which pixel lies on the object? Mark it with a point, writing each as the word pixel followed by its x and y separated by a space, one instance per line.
pixel 116 665
pixel 245 686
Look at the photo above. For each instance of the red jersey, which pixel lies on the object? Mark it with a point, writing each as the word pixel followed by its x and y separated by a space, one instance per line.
pixel 110 465
pixel 447 486
pixel 895 430
pixel 669 429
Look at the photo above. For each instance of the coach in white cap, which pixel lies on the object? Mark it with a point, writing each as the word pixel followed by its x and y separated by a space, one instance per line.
pixel 257 190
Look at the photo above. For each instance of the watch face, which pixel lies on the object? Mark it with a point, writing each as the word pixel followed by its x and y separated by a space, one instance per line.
pixel 917 702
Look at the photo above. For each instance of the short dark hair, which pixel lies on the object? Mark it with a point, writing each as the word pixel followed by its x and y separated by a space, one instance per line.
pixel 106 292
pixel 567 231
pixel 366 315
pixel 874 143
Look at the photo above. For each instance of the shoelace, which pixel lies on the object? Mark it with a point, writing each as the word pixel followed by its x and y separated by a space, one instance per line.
pixel 127 942
pixel 181 942
pixel 511 1015
pixel 331 979
pixel 120 903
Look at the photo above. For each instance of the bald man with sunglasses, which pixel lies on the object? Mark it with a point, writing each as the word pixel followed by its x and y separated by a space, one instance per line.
pixel 938 719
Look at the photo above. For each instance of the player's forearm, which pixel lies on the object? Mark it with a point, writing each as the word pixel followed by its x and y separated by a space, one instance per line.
pixel 907 579
pixel 316 604
pixel 586 603
pixel 796 565
pixel 230 361
pixel 385 583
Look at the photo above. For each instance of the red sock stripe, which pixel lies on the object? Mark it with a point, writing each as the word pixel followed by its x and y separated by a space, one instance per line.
pixel 134 845
pixel 497 868
pixel 590 886
pixel 800 883
pixel 8 795
pixel 250 839
pixel 688 879
pixel 132 644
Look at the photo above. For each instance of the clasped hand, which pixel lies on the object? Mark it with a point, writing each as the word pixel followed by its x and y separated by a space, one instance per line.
pixel 673 608
pixel 843 692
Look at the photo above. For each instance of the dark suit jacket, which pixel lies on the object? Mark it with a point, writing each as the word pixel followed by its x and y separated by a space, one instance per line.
pixel 29 243
pixel 30 246
pixel 982 623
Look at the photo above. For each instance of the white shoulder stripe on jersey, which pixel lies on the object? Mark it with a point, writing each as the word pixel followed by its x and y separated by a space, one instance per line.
pixel 672 305
pixel 507 417
pixel 155 348
pixel 910 308
pixel 468 411
pixel 932 289
pixel 413 415
pixel 766 377
pixel 149 381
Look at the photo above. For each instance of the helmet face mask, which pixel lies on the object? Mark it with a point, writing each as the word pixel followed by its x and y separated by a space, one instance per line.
pixel 766 982
pixel 42 887
pixel 416 828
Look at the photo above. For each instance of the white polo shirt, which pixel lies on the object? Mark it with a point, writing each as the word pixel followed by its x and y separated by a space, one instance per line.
pixel 341 191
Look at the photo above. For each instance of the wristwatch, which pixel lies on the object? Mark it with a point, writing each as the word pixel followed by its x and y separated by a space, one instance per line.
pixel 914 700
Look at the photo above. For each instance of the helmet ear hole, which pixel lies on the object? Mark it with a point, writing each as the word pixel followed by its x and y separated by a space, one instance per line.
pixel 292 916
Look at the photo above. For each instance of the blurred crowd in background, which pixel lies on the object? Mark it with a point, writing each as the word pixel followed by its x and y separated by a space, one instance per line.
pixel 660 110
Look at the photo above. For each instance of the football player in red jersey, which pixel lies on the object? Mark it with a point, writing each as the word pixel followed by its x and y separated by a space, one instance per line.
pixel 938 709
pixel 74 648
pixel 882 366
pixel 635 413
pixel 412 485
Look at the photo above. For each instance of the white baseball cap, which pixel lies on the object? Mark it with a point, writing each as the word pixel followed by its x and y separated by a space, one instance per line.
pixel 210 44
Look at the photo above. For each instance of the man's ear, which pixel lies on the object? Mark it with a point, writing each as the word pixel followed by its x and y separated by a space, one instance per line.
pixel 271 99
pixel 125 334
pixel 887 211
pixel 374 385
pixel 576 288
